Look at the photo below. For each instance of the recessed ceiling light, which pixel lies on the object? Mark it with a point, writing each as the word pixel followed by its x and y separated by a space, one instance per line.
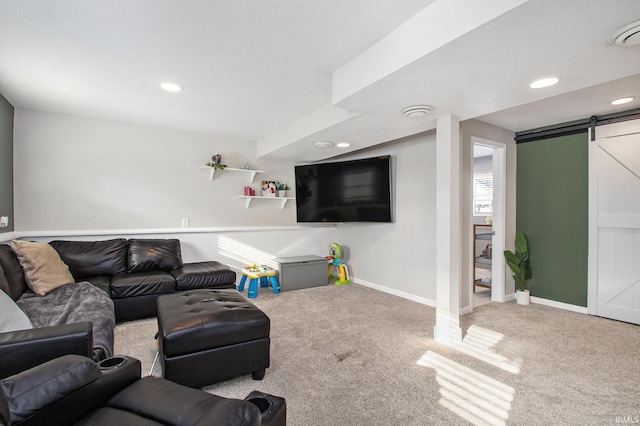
pixel 171 87
pixel 622 100
pixel 417 111
pixel 544 82
pixel 343 145
pixel 323 144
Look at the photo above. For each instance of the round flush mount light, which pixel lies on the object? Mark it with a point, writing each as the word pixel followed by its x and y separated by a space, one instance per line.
pixel 343 144
pixel 622 101
pixel 544 82
pixel 628 35
pixel 171 87
pixel 323 144
pixel 417 111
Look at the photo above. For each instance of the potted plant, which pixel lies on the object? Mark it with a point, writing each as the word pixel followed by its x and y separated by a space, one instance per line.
pixel 216 162
pixel 518 262
pixel 282 188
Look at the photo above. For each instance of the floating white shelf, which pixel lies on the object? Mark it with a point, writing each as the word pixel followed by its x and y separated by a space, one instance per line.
pixel 252 173
pixel 283 200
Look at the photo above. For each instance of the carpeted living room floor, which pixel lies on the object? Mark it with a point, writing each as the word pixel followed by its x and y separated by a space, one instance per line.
pixel 350 355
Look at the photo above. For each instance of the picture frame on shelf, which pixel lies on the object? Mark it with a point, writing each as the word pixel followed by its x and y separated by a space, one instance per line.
pixel 268 188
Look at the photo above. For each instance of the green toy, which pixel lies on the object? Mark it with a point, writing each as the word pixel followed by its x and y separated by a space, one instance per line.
pixel 335 261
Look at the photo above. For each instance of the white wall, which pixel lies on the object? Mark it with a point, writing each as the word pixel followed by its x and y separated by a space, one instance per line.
pixel 400 256
pixel 77 173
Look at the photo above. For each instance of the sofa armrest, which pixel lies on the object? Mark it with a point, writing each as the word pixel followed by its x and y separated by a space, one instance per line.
pixel 21 350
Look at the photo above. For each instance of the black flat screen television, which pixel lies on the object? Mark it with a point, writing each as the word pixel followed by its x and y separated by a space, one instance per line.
pixel 346 191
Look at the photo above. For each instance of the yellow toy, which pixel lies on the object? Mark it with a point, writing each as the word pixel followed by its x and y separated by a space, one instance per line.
pixel 334 258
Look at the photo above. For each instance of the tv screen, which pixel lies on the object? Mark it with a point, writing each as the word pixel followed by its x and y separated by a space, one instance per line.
pixel 347 191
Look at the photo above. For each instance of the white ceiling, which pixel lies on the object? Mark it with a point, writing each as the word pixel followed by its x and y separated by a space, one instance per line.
pixel 286 73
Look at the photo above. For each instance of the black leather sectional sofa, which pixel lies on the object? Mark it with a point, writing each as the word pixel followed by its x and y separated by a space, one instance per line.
pixel 133 273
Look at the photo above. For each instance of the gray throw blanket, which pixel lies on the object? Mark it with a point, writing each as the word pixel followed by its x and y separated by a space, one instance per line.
pixel 74 303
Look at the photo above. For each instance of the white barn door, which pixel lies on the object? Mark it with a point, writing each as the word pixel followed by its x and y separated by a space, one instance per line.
pixel 614 222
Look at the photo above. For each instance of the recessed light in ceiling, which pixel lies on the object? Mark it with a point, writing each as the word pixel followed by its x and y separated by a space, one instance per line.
pixel 323 144
pixel 343 144
pixel 417 111
pixel 544 82
pixel 622 101
pixel 171 87
pixel 628 35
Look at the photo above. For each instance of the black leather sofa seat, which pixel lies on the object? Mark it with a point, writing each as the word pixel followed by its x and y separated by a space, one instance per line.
pixel 207 336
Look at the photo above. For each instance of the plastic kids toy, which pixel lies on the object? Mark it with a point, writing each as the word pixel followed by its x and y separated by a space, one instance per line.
pixel 335 261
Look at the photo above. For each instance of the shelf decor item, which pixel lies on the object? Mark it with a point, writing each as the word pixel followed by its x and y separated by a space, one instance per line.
pixel 282 188
pixel 519 264
pixel 268 188
pixel 216 162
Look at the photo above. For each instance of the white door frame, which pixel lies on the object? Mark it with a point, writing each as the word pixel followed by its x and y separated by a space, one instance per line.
pixel 498 282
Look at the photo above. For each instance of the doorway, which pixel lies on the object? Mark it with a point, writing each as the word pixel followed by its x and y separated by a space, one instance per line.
pixel 489 217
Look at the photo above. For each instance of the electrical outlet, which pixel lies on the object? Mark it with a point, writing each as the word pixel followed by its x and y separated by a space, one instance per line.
pixel 4 221
pixel 185 222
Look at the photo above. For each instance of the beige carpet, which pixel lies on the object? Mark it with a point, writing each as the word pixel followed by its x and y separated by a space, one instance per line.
pixel 351 355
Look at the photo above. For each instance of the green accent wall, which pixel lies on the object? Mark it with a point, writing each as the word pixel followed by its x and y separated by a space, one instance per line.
pixel 552 210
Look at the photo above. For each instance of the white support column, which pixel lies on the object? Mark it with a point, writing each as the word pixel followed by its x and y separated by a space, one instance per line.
pixel 448 231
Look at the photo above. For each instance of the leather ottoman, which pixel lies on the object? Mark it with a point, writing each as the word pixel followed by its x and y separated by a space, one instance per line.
pixel 207 336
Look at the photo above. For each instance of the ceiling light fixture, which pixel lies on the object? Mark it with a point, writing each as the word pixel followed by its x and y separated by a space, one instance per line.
pixel 171 87
pixel 417 111
pixel 544 82
pixel 323 144
pixel 343 145
pixel 622 101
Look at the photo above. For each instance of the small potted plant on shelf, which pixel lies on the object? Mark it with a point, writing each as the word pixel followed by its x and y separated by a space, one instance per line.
pixel 282 188
pixel 216 162
pixel 519 264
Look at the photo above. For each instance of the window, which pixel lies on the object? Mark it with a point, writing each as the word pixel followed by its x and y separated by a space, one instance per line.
pixel 482 193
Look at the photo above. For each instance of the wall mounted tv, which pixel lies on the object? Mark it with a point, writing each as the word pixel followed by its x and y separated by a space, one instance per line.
pixel 346 191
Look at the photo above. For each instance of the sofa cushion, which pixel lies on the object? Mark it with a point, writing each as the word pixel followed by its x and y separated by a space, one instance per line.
pixel 34 389
pixel 12 318
pixel 203 275
pixel 102 282
pixel 141 284
pixel 44 271
pixel 154 254
pixel 12 271
pixel 173 404
pixel 92 258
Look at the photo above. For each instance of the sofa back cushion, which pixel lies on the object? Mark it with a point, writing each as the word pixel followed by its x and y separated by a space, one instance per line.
pixel 44 271
pixel 93 258
pixel 34 389
pixel 154 254
pixel 12 271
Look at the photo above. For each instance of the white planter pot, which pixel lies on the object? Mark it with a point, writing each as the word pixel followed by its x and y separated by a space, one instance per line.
pixel 523 297
pixel 282 194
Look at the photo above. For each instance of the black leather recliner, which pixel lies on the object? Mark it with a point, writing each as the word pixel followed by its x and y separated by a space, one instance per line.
pixel 75 390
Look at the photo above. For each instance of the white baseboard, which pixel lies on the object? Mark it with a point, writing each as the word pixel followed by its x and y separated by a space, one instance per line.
pixel 399 293
pixel 559 305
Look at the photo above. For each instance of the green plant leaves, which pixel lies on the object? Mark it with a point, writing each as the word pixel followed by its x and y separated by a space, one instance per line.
pixel 518 262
